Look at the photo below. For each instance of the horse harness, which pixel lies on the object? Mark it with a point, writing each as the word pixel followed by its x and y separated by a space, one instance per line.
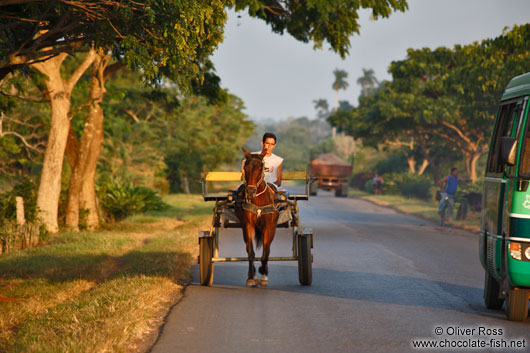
pixel 249 206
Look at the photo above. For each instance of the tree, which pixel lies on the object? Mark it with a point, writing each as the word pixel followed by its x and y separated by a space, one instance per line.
pixel 162 38
pixel 319 21
pixel 214 138
pixel 441 100
pixel 339 83
pixel 159 38
pixel 368 82
pixel 322 107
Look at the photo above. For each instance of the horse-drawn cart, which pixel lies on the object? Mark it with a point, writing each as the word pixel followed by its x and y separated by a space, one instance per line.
pixel 224 216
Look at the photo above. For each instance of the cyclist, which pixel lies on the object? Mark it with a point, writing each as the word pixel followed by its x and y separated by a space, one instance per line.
pixel 449 185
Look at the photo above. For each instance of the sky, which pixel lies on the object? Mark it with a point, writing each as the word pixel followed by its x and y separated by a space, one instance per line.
pixel 278 77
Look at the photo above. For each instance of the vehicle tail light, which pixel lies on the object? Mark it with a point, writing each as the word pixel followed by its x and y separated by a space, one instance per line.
pixel 515 251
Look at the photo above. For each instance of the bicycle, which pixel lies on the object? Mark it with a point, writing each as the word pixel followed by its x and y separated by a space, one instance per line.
pixel 443 207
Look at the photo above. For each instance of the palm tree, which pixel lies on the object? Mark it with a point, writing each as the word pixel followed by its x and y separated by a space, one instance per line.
pixel 322 108
pixel 368 82
pixel 339 83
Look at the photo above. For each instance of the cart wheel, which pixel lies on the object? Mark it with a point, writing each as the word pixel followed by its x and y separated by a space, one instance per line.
pixel 491 292
pixel 304 259
pixel 517 304
pixel 205 260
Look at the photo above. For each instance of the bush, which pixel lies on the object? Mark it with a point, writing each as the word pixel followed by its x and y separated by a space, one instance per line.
pixel 393 163
pixel 12 235
pixel 408 185
pixel 120 199
pixel 27 189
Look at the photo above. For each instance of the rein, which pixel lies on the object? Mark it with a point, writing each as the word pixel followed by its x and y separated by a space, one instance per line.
pixel 248 205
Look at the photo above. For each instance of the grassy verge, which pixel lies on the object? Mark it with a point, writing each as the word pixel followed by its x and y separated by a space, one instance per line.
pixel 425 209
pixel 101 291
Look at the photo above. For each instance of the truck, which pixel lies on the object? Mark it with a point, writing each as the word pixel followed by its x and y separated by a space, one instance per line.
pixel 332 173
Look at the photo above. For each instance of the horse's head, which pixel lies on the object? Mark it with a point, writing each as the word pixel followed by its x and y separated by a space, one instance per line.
pixel 253 169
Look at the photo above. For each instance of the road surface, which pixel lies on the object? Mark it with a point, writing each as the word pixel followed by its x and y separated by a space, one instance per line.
pixel 382 282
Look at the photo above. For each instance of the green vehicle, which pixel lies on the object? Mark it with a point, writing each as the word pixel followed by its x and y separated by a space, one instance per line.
pixel 504 244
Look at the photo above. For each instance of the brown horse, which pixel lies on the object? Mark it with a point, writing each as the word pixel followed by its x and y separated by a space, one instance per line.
pixel 258 214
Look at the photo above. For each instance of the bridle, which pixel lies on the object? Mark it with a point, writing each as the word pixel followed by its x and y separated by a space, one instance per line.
pixel 248 205
pixel 260 181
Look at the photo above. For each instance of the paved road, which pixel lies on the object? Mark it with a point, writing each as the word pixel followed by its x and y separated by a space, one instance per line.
pixel 380 280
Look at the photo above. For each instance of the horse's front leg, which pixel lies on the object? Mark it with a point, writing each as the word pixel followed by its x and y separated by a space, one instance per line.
pixel 268 235
pixel 248 235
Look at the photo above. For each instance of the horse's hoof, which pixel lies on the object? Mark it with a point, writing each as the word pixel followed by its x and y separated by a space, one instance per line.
pixel 263 281
pixel 251 282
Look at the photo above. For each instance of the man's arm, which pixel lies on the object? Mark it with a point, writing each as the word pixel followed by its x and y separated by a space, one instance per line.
pixel 442 182
pixel 279 175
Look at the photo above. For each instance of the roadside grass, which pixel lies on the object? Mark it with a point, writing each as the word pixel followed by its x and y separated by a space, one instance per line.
pixel 427 210
pixel 101 291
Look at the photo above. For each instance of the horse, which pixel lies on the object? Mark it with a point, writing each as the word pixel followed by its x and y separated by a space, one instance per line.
pixel 258 214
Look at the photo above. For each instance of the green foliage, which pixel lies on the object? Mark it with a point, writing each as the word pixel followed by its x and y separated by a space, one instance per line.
pixel 27 189
pixel 440 102
pixel 331 21
pixel 323 146
pixel 198 137
pixel 158 38
pixel 23 127
pixel 408 185
pixel 13 236
pixel 340 80
pixel 393 163
pixel 120 199
pixel 296 138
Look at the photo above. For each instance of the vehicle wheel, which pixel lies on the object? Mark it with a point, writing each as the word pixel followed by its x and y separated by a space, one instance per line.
pixel 344 191
pixel 338 192
pixel 313 189
pixel 304 260
pixel 491 292
pixel 205 260
pixel 517 304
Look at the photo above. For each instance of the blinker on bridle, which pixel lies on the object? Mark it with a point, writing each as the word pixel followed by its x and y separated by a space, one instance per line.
pixel 261 179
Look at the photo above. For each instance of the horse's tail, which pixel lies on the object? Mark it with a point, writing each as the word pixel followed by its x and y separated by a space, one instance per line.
pixel 258 237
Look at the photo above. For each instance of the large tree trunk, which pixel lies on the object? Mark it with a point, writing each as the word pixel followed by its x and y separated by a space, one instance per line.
pixel 412 164
pixel 423 166
pixel 471 165
pixel 87 197
pixel 58 93
pixel 89 134
pixel 82 189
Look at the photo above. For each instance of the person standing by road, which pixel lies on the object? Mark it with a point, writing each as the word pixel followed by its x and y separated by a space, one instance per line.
pixel 448 185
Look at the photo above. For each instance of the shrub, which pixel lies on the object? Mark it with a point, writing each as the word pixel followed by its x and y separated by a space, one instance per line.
pixel 27 189
pixel 408 185
pixel 393 163
pixel 119 199
pixel 13 236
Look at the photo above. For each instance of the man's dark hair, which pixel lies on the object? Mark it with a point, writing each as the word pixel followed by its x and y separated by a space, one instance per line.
pixel 269 135
pixel 453 169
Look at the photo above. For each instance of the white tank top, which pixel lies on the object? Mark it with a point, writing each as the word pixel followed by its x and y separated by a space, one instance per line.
pixel 271 167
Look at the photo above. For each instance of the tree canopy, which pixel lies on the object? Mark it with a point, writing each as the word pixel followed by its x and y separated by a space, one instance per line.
pixel 162 37
pixel 319 21
pixel 441 99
